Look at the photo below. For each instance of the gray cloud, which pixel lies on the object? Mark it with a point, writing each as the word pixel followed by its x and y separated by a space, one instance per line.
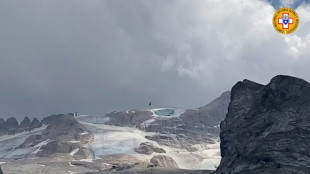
pixel 99 56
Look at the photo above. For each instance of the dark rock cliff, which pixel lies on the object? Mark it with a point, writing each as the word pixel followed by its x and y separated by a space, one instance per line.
pixel 11 125
pixel 2 126
pixel 25 124
pixel 267 128
pixel 35 123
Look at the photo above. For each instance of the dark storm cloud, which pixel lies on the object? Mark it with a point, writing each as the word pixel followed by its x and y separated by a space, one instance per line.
pixel 95 57
pixel 288 3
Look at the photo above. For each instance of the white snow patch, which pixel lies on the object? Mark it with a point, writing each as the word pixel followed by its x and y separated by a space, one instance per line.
pixel 74 151
pixel 84 133
pixel 89 160
pixel 72 141
pixel 70 164
pixel 2 163
pixel 6 137
pixel 38 146
pixel 147 123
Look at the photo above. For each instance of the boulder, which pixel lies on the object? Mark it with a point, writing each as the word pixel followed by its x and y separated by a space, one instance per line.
pixel 148 148
pixel 267 128
pixel 163 161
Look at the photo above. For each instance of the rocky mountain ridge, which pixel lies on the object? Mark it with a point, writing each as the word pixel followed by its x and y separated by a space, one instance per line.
pixel 175 127
pixel 11 126
pixel 267 128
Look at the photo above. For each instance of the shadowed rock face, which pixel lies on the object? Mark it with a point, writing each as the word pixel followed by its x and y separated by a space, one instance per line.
pixel 63 135
pixel 11 125
pixel 35 124
pixel 1 172
pixel 2 126
pixel 25 124
pixel 267 128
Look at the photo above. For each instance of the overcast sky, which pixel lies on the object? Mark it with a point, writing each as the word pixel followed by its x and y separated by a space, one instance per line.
pixel 97 56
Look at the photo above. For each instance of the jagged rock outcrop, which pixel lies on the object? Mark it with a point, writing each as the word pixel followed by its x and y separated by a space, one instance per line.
pixel 2 126
pixel 11 125
pixel 148 148
pixel 25 124
pixel 63 135
pixel 267 128
pixel 35 124
pixel 128 118
pixel 163 161
pixel 1 172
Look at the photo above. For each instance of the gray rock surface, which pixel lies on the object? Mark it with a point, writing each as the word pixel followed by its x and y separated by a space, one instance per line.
pixel 63 135
pixel 82 153
pixel 163 161
pixel 11 125
pixel 35 124
pixel 148 148
pixel 57 147
pixel 128 118
pixel 267 128
pixel 2 126
pixel 25 124
pixel 53 118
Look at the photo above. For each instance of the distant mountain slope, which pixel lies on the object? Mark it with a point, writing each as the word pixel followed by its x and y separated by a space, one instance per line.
pixel 177 127
pixel 267 128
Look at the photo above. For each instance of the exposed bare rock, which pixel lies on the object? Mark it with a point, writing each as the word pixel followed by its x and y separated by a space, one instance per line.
pixel 148 148
pixel 11 125
pixel 25 124
pixel 57 147
pixel 35 124
pixel 128 118
pixel 63 135
pixel 82 153
pixel 1 172
pixel 2 126
pixel 182 130
pixel 53 118
pixel 66 129
pixel 163 161
pixel 267 128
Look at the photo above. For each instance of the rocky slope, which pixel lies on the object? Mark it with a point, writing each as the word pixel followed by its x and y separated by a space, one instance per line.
pixel 63 135
pixel 267 128
pixel 178 128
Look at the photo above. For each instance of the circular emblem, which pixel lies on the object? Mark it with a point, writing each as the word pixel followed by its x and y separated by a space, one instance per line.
pixel 285 20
